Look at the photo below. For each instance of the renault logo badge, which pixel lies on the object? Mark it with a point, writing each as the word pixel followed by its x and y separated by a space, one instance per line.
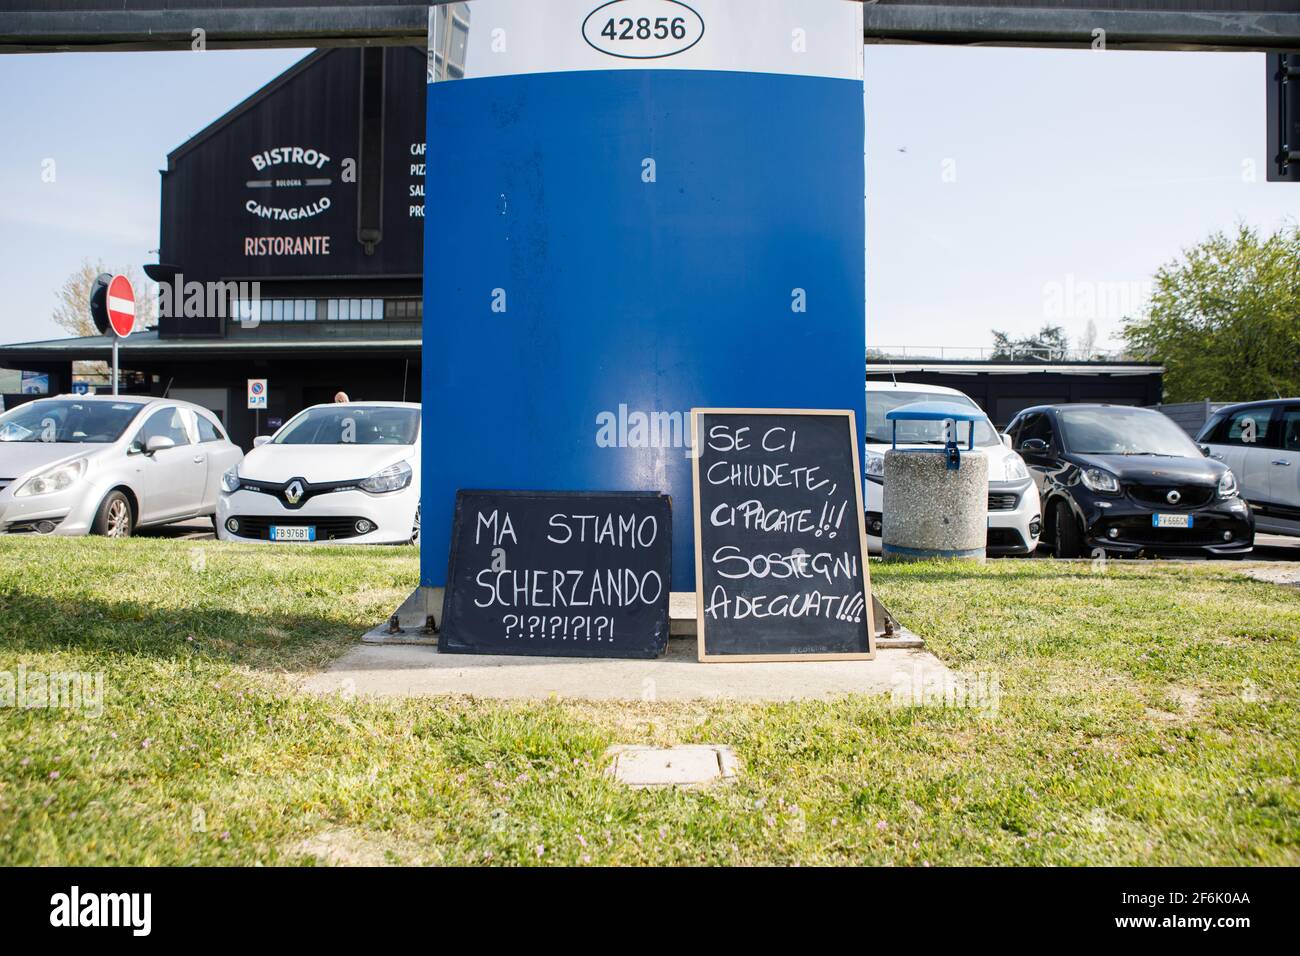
pixel 293 493
pixel 1174 496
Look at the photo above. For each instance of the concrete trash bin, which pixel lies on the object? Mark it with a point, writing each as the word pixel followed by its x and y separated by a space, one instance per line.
pixel 935 498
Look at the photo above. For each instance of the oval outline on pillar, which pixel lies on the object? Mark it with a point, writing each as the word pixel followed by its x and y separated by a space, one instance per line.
pixel 699 33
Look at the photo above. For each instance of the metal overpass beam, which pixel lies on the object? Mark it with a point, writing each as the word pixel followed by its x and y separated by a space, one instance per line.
pixel 83 25
pixel 1004 25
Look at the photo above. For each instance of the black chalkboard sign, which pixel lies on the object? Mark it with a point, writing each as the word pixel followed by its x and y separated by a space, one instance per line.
pixel 558 574
pixel 780 542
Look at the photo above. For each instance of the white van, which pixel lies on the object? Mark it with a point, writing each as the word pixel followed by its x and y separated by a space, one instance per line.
pixel 1015 520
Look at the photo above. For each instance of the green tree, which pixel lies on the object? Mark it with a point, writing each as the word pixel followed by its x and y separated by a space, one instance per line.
pixel 1224 318
pixel 1048 345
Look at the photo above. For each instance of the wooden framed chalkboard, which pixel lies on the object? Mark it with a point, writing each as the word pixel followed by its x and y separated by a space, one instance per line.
pixel 558 574
pixel 780 541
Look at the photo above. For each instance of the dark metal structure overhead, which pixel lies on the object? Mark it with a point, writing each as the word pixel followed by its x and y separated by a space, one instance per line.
pixel 53 25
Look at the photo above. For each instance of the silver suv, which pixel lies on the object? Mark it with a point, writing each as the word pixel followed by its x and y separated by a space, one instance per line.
pixel 1260 442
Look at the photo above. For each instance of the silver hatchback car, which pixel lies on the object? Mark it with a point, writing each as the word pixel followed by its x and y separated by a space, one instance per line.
pixel 108 464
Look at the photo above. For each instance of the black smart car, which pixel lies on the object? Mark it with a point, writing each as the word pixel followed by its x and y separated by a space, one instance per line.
pixel 1128 481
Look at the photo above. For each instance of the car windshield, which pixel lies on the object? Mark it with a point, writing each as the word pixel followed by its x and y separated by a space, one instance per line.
pixel 880 432
pixel 352 425
pixel 68 421
pixel 1123 431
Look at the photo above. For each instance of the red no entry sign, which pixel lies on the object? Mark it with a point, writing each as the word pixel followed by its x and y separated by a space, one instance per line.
pixel 121 306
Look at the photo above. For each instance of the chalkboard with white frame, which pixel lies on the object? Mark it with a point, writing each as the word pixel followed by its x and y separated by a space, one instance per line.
pixel 780 542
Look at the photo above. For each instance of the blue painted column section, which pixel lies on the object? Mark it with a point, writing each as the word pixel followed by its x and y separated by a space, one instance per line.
pixel 627 302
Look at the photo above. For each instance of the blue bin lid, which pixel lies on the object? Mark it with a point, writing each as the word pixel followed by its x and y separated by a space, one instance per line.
pixel 935 412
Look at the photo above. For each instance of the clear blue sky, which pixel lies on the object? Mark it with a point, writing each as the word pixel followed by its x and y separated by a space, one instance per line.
pixel 1005 186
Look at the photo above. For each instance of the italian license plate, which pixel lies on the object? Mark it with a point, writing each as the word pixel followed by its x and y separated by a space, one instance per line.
pixel 296 532
pixel 1171 521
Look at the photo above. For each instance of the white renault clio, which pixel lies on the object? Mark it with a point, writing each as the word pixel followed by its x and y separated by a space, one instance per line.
pixel 1015 521
pixel 346 473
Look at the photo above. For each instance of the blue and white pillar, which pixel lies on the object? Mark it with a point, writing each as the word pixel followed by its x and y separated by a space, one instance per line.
pixel 633 208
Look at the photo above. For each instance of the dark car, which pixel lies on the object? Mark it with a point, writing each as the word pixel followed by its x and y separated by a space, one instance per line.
pixel 1128 480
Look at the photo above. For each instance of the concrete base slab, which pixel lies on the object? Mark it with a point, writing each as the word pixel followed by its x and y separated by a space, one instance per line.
pixel 687 765
pixel 419 671
pixel 681 614
pixel 901 638
pixel 410 623
pixel 384 635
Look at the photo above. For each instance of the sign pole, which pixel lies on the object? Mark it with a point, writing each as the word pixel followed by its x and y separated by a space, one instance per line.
pixel 258 394
pixel 115 341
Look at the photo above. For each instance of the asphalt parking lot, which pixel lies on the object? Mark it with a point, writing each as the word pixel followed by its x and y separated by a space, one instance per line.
pixel 199 529
pixel 1276 547
pixel 1268 547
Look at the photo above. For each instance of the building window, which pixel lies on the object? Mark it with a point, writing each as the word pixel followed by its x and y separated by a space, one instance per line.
pixel 332 310
pixel 275 310
pixel 404 310
pixel 450 37
pixel 354 310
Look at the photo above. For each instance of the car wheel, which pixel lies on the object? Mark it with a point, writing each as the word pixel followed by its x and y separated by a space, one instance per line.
pixel 113 520
pixel 1067 536
pixel 415 527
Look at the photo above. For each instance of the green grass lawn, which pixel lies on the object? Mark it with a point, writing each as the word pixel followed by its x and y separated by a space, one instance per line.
pixel 1145 713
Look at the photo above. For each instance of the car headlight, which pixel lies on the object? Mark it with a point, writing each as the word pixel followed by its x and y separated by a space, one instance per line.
pixel 1228 485
pixel 875 465
pixel 393 478
pixel 230 481
pixel 1098 480
pixel 1016 468
pixel 54 479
